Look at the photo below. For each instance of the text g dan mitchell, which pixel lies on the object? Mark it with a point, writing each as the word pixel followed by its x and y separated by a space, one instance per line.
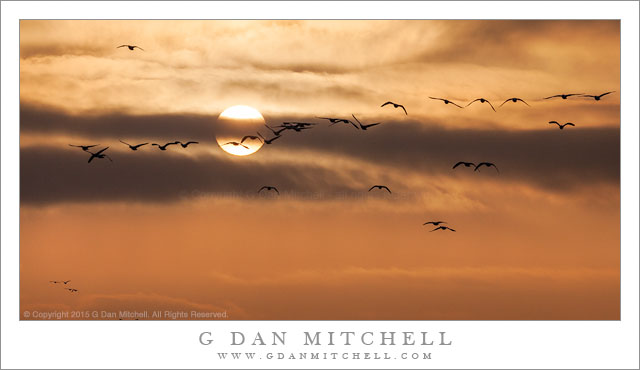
pixel 330 338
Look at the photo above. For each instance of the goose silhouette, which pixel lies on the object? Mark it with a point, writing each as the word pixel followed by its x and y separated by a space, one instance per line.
pixel 561 126
pixel 133 147
pixel 446 101
pixel 395 105
pixel 364 127
pixel 381 187
pixel 130 47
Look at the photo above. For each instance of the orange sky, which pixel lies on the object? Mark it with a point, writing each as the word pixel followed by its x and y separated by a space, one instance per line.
pixel 185 229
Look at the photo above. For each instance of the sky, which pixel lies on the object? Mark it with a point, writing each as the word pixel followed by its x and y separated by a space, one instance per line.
pixel 186 229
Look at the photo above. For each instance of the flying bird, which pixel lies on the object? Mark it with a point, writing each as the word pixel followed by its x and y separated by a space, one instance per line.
pixel 563 96
pixel 164 147
pixel 380 187
pixel 466 164
pixel 269 141
pixel 434 223
pixel 133 147
pixel 251 137
pixel 396 106
pixel 84 147
pixel 442 228
pixel 55 282
pixel 488 164
pixel 561 126
pixel 65 282
pixel 597 97
pixel 99 155
pixel 446 101
pixel 482 100
pixel 184 145
pixel 71 290
pixel 364 127
pixel 131 47
pixel 277 133
pixel 515 100
pixel 269 188
pixel 338 120
pixel 235 143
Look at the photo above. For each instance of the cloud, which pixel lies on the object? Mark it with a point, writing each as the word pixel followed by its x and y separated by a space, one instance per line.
pixel 550 159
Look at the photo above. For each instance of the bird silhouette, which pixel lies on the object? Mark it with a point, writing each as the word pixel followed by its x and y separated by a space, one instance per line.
pixel 380 187
pixel 184 145
pixel 164 147
pixel 65 282
pixel 466 164
pixel 269 188
pixel 131 47
pixel 446 101
pixel 396 106
pixel 561 126
pixel 434 223
pixel 515 100
pixel 269 141
pixel 488 164
pixel 133 147
pixel 364 127
pixel 442 228
pixel 251 137
pixel 597 97
pixel 338 120
pixel 563 96
pixel 482 100
pixel 71 290
pixel 99 155
pixel 235 143
pixel 84 147
pixel 55 281
pixel 277 133
pixel 296 126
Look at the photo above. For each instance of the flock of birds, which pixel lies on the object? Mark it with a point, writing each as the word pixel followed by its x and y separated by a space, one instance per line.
pixel 100 154
pixel 65 282
pixel 277 131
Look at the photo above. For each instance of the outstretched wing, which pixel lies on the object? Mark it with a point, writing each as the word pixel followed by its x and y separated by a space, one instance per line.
pixel 274 188
pixel 386 103
pixel 124 142
pixel 371 188
pixel 427 223
pixel 457 164
pixel 450 102
pixel 431 97
pixel 121 46
pixel 552 96
pixel 491 105
pixel 523 101
pixel 384 187
pixel 136 46
pixel 503 103
pixel 372 124
pixel 554 122
pixel 102 150
pixel 405 111
pixel 601 95
pixel 473 101
pixel 448 228
pixel 262 188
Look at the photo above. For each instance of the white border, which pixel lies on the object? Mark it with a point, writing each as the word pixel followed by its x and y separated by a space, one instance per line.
pixel 478 344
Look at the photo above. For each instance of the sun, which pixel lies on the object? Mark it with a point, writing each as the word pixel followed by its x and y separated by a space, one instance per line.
pixel 235 124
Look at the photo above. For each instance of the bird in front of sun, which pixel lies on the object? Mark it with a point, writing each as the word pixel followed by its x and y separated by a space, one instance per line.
pixel 482 100
pixel 268 141
pixel 515 100
pixel 235 143
pixel 395 105
pixel 561 126
pixel 130 47
pixel 133 147
pixel 381 187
